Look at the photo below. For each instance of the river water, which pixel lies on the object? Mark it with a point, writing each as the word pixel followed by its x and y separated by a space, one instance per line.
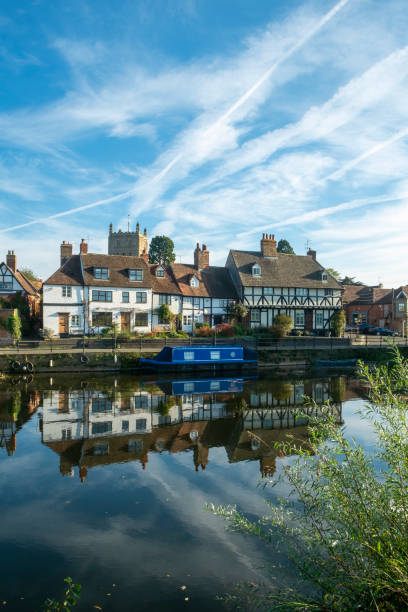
pixel 105 479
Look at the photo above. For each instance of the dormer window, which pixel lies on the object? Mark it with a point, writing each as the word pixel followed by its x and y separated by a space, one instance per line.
pixel 160 272
pixel 194 282
pixel 324 276
pixel 102 273
pixel 135 275
pixel 256 270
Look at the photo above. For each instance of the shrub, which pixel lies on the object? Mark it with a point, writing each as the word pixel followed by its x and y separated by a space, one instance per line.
pixel 282 324
pixel 204 332
pixel 225 330
pixel 345 532
pixel 338 323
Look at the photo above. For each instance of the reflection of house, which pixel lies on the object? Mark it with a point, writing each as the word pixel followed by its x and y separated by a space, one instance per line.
pixel 371 305
pixel 88 428
pixel 16 408
pixel 271 283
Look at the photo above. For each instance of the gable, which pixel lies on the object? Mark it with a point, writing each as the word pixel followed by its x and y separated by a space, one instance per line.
pixel 8 281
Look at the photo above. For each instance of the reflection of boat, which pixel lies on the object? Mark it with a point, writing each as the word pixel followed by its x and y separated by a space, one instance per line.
pixel 202 385
pixel 201 357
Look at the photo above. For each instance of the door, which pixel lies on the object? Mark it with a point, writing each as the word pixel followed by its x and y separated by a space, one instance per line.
pixel 63 323
pixel 125 321
pixel 309 320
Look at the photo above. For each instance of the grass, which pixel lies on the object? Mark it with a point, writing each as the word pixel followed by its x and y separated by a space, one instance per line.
pixel 344 527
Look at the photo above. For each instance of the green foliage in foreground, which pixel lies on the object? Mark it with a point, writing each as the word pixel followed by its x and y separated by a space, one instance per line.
pixel 344 529
pixel 70 599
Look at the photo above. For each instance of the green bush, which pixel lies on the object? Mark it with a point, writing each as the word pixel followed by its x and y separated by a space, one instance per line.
pixel 346 530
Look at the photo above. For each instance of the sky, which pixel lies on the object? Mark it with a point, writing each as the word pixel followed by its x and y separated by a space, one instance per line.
pixel 208 121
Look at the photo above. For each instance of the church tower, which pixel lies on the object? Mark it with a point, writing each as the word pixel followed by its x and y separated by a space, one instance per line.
pixel 128 243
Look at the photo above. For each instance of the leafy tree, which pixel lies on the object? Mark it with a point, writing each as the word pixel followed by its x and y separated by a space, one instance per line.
pixel 161 250
pixel 13 325
pixel 338 323
pixel 282 324
pixel 284 247
pixel 350 280
pixel 334 273
pixel 237 311
pixel 166 315
pixel 28 273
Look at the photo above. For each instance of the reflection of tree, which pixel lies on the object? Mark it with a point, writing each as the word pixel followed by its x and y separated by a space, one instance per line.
pixel 338 389
pixel 281 390
pixel 14 404
pixel 237 403
pixel 166 405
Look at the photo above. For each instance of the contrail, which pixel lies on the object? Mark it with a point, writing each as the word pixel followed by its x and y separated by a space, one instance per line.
pixel 320 24
pixel 354 162
pixel 324 212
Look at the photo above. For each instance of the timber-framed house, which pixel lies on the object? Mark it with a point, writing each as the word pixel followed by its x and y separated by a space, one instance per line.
pixel 271 283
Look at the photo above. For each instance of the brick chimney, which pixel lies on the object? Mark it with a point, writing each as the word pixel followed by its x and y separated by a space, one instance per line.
pixel 83 247
pixel 312 254
pixel 12 261
pixel 66 251
pixel 201 257
pixel 145 256
pixel 268 245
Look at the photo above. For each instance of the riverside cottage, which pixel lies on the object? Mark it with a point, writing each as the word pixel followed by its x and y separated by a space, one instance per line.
pixel 271 283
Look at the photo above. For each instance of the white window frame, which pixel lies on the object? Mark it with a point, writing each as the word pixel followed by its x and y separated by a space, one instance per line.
pixel 194 282
pixel 66 291
pixel 135 274
pixel 256 270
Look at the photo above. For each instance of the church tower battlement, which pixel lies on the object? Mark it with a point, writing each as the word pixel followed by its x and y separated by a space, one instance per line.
pixel 128 243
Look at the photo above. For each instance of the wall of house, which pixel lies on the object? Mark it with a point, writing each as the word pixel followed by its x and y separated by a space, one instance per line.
pixel 54 302
pixel 202 310
pixel 378 315
pixel 8 284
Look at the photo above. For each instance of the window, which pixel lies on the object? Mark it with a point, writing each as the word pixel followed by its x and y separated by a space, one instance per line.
pixel 125 296
pixel 100 449
pixel 141 297
pixel 135 446
pixel 160 272
pixel 324 276
pixel 215 385
pixel 102 273
pixel 187 319
pixel 164 299
pixel 328 292
pixel 196 302
pixel 101 296
pixel 136 275
pixel 125 425
pixel 101 404
pixel 256 270
pixel 101 319
pixel 66 291
pixel 141 401
pixel 401 307
pixel 75 320
pixel 66 434
pixel 188 387
pixel 301 291
pixel 319 319
pixel 104 427
pixel 188 355
pixel 141 424
pixel 255 316
pixel 194 282
pixel 299 318
pixel 215 355
pixel 268 290
pixel 141 319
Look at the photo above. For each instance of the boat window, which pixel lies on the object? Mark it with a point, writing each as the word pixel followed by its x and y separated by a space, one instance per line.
pixel 215 355
pixel 214 385
pixel 188 387
pixel 188 355
pixel 232 353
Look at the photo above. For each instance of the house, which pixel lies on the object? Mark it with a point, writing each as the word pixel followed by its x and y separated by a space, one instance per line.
pixel 373 305
pixel 91 291
pixel 271 283
pixel 400 310
pixel 14 283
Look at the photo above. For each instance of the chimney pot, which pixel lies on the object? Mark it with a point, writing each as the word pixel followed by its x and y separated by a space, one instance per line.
pixel 268 246
pixel 11 261
pixel 83 247
pixel 201 257
pixel 65 251
pixel 312 254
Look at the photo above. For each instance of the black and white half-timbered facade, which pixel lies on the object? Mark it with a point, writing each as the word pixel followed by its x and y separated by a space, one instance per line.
pixel 271 283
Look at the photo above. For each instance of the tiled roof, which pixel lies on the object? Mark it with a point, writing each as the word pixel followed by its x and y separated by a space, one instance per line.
pixel 118 270
pixel 214 281
pixel 284 271
pixel 29 286
pixel 68 274
pixel 360 294
pixel 164 284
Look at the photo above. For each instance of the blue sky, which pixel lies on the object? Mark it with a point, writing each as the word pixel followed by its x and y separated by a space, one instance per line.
pixel 210 121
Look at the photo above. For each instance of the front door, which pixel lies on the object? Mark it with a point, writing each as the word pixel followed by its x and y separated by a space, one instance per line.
pixel 125 321
pixel 309 320
pixel 63 323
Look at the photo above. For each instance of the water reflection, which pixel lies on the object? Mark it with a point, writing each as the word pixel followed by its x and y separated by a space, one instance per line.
pixel 16 408
pixel 90 427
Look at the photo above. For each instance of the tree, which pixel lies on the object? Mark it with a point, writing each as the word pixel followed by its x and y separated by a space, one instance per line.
pixel 334 273
pixel 161 250
pixel 166 315
pixel 13 325
pixel 237 311
pixel 351 280
pixel 28 273
pixel 284 247
pixel 338 323
pixel 282 324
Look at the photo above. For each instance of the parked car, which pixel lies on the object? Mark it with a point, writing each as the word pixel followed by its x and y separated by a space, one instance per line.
pixel 383 331
pixel 351 328
pixel 365 328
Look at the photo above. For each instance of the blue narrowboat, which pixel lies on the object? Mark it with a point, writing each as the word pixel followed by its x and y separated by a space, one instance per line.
pixel 202 357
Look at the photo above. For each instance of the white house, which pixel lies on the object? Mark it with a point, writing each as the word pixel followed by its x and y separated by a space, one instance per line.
pixel 91 291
